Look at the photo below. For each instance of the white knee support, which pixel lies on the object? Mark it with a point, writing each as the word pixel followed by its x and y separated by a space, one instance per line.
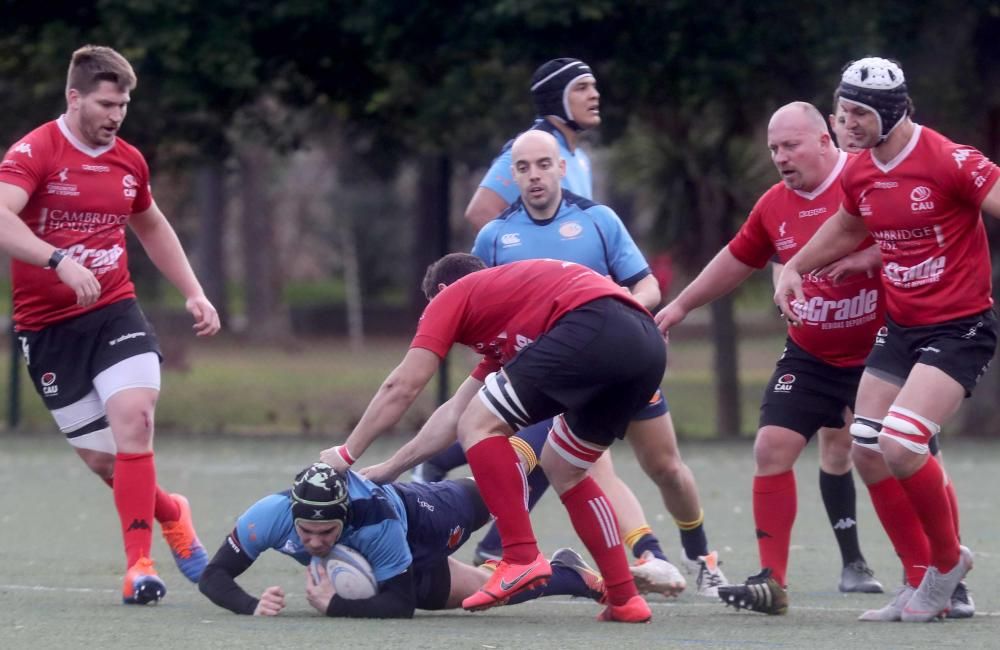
pixel 499 397
pixel 84 424
pixel 910 429
pixel 140 371
pixel 864 431
pixel 573 449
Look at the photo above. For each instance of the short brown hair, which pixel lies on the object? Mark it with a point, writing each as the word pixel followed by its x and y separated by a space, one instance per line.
pixel 449 268
pixel 92 64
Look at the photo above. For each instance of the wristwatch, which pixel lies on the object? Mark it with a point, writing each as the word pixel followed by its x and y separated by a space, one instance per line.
pixel 57 256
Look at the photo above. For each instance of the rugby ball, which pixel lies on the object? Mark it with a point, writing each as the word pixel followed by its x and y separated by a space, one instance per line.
pixel 349 571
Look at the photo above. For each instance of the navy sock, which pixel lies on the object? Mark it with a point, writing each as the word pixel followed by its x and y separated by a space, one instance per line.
pixel 564 581
pixel 649 542
pixel 695 542
pixel 448 459
pixel 536 435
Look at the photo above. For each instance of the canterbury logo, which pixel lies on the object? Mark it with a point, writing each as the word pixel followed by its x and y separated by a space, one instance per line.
pixel 507 586
pixel 138 524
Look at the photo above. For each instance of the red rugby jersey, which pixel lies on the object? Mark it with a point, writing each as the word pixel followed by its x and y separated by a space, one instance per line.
pixel 80 200
pixel 922 208
pixel 499 310
pixel 840 321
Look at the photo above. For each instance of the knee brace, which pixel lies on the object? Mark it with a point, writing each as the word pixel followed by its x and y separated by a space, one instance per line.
pixel 573 449
pixel 865 432
pixel 499 397
pixel 909 429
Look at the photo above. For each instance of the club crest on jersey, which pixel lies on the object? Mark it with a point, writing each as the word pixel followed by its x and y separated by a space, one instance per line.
pixel 129 184
pixel 570 230
pixel 49 385
pixel 784 384
pixel 920 199
pixel 455 537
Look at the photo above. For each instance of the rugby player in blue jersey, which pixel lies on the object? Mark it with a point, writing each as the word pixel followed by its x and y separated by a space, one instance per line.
pixel 407 532
pixel 567 103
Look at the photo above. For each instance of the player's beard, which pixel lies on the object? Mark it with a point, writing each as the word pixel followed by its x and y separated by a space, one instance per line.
pixel 90 126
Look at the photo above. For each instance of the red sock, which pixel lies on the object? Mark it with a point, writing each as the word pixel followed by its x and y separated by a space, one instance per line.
pixel 902 525
pixel 165 509
pixel 135 490
pixel 925 489
pixel 504 489
pixel 949 489
pixel 774 508
pixel 597 526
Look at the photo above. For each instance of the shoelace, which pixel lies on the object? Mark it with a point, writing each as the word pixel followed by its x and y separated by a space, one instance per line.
pixel 178 541
pixel 709 577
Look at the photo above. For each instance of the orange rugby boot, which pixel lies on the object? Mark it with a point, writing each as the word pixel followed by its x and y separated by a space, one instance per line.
pixel 507 580
pixel 142 586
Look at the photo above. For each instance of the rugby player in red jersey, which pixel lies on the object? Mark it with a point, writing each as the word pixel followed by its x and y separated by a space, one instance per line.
pixel 557 339
pixel 67 191
pixel 920 196
pixel 816 378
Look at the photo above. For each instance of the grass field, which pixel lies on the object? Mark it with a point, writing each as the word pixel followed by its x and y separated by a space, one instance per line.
pixel 60 562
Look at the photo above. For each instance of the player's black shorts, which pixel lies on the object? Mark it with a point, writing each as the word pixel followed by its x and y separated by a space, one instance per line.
pixel 441 516
pixel 961 348
pixel 64 358
pixel 599 365
pixel 806 393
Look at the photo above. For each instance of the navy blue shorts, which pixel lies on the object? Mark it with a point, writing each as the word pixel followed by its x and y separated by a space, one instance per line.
pixel 441 516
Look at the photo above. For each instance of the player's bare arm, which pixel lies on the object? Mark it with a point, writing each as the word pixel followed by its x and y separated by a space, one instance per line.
pixel 19 242
pixel 868 260
pixel 391 401
pixel 484 207
pixel 838 236
pixel 723 274
pixel 438 432
pixel 647 292
pixel 160 242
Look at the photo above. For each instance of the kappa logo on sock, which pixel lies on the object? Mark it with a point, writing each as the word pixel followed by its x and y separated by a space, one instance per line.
pixel 138 524
pixel 761 534
pixel 845 523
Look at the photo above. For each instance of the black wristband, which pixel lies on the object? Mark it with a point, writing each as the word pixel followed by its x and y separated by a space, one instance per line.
pixel 57 256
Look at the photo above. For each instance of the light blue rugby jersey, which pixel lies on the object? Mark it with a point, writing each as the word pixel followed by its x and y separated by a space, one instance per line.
pixel 582 231
pixel 578 179
pixel 377 529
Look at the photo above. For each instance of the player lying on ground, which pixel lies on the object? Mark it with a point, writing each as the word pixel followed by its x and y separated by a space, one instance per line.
pixel 407 532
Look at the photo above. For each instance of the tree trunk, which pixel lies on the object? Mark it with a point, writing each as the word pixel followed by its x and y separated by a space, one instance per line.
pixel 432 238
pixel 268 318
pixel 352 284
pixel 210 202
pixel 713 206
pixel 725 340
